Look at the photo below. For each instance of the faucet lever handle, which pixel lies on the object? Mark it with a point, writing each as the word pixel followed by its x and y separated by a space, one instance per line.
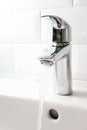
pixel 61 29
pixel 56 22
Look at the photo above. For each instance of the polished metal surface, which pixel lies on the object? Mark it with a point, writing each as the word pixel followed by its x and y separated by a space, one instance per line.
pixel 59 55
pixel 61 29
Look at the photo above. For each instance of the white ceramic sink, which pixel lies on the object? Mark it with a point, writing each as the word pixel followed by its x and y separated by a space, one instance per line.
pixel 72 110
pixel 19 105
pixel 20 101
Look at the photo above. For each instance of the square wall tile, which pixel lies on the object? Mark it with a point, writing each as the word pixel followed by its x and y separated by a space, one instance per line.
pixel 39 4
pixel 46 31
pixel 6 56
pixel 79 62
pixel 75 16
pixel 20 27
pixel 80 2
pixel 75 59
pixel 26 59
pixel 6 5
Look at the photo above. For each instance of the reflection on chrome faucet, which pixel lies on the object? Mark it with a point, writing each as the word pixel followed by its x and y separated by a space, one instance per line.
pixel 59 55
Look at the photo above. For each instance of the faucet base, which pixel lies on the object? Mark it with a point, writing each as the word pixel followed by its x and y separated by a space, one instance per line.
pixel 62 75
pixel 64 94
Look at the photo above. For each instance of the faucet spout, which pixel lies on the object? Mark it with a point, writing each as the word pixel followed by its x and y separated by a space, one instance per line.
pixel 59 55
pixel 55 53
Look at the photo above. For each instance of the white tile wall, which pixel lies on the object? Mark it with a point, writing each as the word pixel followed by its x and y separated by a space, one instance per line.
pixel 26 59
pixel 6 55
pixel 79 62
pixel 80 2
pixel 18 24
pixel 39 4
pixel 46 31
pixel 20 27
pixel 6 5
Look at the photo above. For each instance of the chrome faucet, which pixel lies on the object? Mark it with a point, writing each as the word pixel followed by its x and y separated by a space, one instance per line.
pixel 59 55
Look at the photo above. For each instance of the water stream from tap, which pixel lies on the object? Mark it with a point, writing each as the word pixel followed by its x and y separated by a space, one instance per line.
pixel 44 79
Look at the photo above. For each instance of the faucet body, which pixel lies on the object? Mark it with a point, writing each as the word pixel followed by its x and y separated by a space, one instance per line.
pixel 59 55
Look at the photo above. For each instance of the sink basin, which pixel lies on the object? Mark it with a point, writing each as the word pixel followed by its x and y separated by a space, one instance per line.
pixel 72 110
pixel 19 106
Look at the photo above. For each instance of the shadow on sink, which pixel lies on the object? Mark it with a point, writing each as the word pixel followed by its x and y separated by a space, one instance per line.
pixel 80 94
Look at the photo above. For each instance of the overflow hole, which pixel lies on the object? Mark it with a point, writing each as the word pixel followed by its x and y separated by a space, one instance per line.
pixel 53 114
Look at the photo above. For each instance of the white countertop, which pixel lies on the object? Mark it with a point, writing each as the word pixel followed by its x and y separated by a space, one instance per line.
pixel 30 89
pixel 19 88
pixel 77 99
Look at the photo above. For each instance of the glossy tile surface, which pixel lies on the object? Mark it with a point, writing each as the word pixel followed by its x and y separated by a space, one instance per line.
pixel 6 56
pixel 6 5
pixel 80 2
pixel 19 27
pixel 39 4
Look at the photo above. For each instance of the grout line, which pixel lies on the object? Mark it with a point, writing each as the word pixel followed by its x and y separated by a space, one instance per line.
pixel 78 79
pixel 11 65
pixel 72 3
